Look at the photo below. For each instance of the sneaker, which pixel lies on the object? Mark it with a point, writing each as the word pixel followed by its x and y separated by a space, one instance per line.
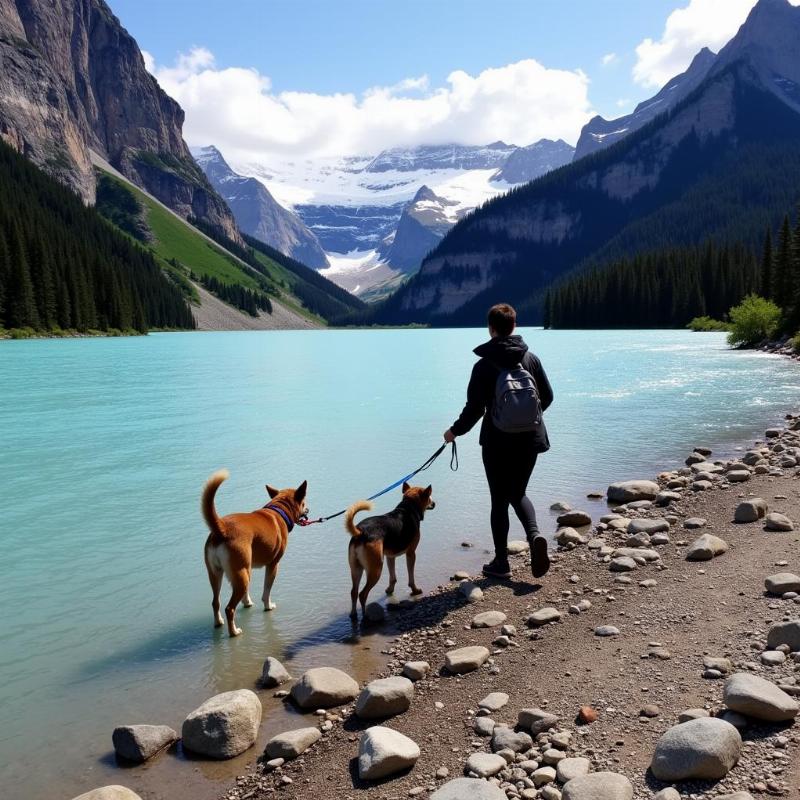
pixel 497 568
pixel 540 561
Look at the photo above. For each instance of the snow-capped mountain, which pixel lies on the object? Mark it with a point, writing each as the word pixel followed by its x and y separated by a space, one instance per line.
pixel 257 213
pixel 355 205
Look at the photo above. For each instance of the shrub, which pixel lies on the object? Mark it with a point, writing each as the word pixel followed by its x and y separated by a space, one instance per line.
pixel 753 320
pixel 796 342
pixel 708 324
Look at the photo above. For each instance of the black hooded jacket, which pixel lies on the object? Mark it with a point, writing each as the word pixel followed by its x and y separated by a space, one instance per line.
pixel 502 352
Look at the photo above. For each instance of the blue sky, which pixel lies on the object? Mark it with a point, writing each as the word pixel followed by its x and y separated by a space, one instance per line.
pixel 333 77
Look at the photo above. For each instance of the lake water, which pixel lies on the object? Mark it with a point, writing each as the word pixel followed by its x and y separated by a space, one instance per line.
pixel 106 443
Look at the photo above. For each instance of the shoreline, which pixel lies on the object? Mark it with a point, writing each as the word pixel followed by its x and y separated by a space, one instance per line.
pixel 637 704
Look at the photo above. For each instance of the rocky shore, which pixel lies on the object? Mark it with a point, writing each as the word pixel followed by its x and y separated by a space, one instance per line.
pixel 659 658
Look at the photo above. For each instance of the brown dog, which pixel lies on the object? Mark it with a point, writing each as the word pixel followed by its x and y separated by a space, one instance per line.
pixel 239 543
pixel 389 535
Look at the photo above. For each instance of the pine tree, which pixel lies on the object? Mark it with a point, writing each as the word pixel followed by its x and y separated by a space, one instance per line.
pixel 782 265
pixel 766 286
pixel 21 303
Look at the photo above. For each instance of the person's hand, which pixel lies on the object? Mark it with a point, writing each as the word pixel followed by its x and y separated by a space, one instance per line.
pixel 449 436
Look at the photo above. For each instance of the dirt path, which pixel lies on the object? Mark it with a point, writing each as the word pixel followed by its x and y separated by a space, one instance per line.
pixel 715 608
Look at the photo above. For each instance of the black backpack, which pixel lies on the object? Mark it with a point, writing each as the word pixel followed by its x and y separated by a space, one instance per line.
pixel 517 407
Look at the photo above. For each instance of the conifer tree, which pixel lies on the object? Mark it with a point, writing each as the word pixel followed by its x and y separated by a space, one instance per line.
pixel 766 287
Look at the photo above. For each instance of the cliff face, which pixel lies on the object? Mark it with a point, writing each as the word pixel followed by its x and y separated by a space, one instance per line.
pixel 72 78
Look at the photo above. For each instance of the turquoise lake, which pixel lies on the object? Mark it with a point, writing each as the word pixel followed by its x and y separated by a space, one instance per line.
pixel 105 445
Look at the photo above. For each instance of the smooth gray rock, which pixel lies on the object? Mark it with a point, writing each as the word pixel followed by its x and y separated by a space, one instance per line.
pixel 622 564
pixel 630 491
pixel 739 475
pixel 291 744
pixel 692 713
pixel 273 673
pixel 138 743
pixel 224 726
pixel 705 748
pixel 667 794
pixel 598 786
pixel 324 687
pixel 750 510
pixel 778 522
pixel 473 593
pixel 383 751
pixel 787 633
pixel 569 768
pixel 494 701
pixel 634 552
pixel 488 619
pixel 385 697
pixel 693 523
pixel 115 792
pixel 782 582
pixel 518 546
pixel 535 720
pixel 543 616
pixel 606 630
pixel 465 659
pixel 416 670
pixel 574 519
pixel 706 547
pixel 721 664
pixel 648 526
pixel 483 726
pixel 759 698
pixel 566 536
pixel 469 789
pixel 484 765
pixel 508 739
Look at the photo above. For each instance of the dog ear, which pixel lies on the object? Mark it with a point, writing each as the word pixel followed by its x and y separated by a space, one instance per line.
pixel 300 491
pixel 272 491
pixel 406 487
pixel 429 491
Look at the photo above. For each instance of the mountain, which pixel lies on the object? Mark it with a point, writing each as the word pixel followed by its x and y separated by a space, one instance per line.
pixel 355 205
pixel 257 212
pixel 600 133
pixel 72 81
pixel 722 163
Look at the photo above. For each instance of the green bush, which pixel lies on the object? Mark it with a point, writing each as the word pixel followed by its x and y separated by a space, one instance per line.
pixel 752 321
pixel 708 324
pixel 796 342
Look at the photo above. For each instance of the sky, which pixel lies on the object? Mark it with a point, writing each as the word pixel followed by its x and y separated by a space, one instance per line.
pixel 266 79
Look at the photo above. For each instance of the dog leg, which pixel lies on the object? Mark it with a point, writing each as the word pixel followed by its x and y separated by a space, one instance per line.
pixel 392 575
pixel 411 560
pixel 239 583
pixel 215 579
pixel 248 601
pixel 269 579
pixel 373 576
pixel 356 571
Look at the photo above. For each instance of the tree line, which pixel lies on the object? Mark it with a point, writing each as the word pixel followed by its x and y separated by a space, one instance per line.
pixel 62 266
pixel 247 300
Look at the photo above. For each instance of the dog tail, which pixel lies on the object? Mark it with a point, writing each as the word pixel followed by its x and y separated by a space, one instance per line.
pixel 361 505
pixel 207 503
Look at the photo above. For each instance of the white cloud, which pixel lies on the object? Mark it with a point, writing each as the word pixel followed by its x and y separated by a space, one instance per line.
pixel 700 23
pixel 236 109
pixel 609 58
pixel 623 102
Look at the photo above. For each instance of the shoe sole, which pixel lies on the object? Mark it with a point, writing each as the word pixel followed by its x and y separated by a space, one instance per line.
pixel 540 560
pixel 500 575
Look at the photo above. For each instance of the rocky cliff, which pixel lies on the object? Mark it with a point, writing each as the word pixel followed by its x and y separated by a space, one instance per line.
pixel 73 79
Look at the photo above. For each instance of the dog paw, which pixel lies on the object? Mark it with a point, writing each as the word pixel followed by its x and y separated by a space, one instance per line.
pixel 270 606
pixel 219 623
pixel 236 632
pixel 390 589
pixel 247 602
pixel 415 590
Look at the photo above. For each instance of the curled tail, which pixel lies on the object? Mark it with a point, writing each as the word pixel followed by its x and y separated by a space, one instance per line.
pixel 207 502
pixel 361 505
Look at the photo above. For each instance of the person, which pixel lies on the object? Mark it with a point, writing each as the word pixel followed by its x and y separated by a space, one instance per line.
pixel 508 458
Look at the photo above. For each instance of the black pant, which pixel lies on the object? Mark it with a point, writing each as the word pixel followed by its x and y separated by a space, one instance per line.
pixel 508 472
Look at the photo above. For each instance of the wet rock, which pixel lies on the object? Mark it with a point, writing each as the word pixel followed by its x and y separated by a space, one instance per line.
pixel 273 673
pixel 543 616
pixel 374 612
pixel 750 510
pixel 574 519
pixel 383 751
pixel 291 744
pixel 701 748
pixel 787 633
pixel 465 659
pixel 756 697
pixel 324 687
pixel 494 701
pixel 484 765
pixel 630 491
pixel 778 522
pixel 566 536
pixel 138 743
pixel 782 582
pixel 416 670
pixel 706 547
pixel 385 697
pixel 535 720
pixel 469 789
pixel 224 726
pixel 598 786
pixel 114 792
pixel 488 619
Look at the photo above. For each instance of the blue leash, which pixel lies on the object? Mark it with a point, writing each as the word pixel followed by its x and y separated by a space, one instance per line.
pixel 404 479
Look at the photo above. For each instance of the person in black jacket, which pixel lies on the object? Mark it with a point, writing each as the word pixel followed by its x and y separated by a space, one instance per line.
pixel 508 458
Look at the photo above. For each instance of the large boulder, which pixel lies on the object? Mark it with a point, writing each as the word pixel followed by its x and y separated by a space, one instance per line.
pixel 383 751
pixel 757 697
pixel 465 659
pixel 291 744
pixel 778 522
pixel 324 687
pixel 273 673
pixel 224 726
pixel 113 792
pixel 782 582
pixel 598 786
pixel 630 491
pixel 469 789
pixel 138 743
pixel 385 697
pixel 787 633
pixel 750 510
pixel 701 748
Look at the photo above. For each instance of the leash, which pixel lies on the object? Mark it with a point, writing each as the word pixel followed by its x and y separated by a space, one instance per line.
pixel 453 466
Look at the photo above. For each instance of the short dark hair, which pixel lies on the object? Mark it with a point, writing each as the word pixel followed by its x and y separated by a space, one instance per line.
pixel 503 319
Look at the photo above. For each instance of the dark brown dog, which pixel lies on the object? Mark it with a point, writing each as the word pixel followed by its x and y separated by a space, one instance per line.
pixel 239 543
pixel 390 535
